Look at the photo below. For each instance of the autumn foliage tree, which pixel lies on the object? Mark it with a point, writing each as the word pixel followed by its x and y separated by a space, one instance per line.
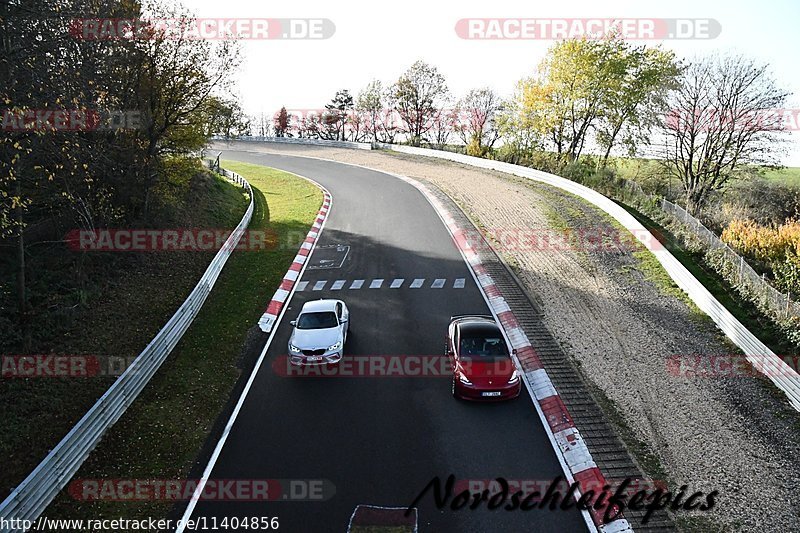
pixel 88 177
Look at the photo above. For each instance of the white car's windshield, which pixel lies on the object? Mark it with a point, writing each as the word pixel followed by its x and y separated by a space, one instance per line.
pixel 322 320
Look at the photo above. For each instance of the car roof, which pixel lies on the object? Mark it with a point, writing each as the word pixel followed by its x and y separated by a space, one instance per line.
pixel 462 320
pixel 479 328
pixel 319 305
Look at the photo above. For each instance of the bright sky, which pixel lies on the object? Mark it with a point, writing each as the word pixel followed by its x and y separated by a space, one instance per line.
pixel 381 39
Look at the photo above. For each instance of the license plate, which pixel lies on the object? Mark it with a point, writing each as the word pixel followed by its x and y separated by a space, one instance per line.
pixel 314 358
pixel 493 393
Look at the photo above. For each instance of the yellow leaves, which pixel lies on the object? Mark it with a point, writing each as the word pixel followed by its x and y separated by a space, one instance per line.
pixel 764 243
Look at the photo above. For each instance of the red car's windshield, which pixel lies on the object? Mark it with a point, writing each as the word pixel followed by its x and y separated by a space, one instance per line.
pixel 483 348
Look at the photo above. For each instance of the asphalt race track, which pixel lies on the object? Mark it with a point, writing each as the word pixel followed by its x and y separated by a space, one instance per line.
pixel 379 441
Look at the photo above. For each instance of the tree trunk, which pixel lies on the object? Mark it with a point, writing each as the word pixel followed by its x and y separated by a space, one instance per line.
pixel 22 301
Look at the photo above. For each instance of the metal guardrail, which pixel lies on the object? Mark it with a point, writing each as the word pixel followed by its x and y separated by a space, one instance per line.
pixel 739 272
pixel 34 494
pixel 757 353
pixel 297 140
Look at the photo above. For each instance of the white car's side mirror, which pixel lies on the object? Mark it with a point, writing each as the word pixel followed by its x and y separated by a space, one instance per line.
pixel 293 322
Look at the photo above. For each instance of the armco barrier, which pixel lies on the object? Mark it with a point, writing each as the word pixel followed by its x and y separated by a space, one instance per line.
pixel 764 359
pixel 35 493
pixel 295 140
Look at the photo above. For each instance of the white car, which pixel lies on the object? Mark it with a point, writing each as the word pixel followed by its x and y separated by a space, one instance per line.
pixel 319 333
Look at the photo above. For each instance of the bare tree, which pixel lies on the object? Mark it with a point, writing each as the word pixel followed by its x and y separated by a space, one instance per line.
pixel 369 105
pixel 478 112
pixel 723 118
pixel 443 125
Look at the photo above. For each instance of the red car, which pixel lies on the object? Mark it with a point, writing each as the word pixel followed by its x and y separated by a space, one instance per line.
pixel 482 364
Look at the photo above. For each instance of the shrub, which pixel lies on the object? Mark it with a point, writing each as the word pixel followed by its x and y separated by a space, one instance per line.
pixel 776 247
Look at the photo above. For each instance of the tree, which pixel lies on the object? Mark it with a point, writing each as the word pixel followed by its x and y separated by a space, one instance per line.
pixel 225 117
pixel 418 95
pixel 282 123
pixel 566 98
pixel 517 126
pixel 369 103
pixel 93 176
pixel 336 112
pixel 443 125
pixel 478 112
pixel 723 118
pixel 636 97
pixel 177 75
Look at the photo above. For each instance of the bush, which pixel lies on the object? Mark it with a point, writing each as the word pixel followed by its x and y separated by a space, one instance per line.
pixel 775 247
pixel 764 201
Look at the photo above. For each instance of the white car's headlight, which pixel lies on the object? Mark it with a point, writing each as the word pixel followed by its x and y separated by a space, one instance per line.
pixel 335 346
pixel 293 348
pixel 463 379
pixel 514 377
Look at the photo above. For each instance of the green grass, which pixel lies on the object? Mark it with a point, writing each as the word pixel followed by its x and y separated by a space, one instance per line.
pixel 760 325
pixel 787 176
pixel 162 433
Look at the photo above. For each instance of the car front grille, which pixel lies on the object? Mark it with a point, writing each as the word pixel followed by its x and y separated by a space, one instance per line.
pixel 313 352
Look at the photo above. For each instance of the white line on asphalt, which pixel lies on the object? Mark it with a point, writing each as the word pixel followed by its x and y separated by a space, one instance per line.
pixel 243 396
pixel 459 283
pixel 376 283
pixel 437 283
pixel 397 283
pixel 417 283
pixel 338 284
pixel 357 284
pixel 301 286
pixel 318 286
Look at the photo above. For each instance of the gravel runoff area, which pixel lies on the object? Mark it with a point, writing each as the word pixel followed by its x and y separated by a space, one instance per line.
pixel 735 435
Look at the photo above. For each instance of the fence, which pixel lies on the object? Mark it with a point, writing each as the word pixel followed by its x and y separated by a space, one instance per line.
pixel 757 353
pixel 35 493
pixel 737 271
pixel 734 267
pixel 295 140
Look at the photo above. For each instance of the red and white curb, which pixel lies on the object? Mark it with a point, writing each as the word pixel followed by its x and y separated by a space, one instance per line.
pixel 278 300
pixel 574 455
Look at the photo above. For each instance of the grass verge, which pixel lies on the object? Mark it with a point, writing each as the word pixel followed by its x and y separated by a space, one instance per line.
pixel 161 434
pixel 760 325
